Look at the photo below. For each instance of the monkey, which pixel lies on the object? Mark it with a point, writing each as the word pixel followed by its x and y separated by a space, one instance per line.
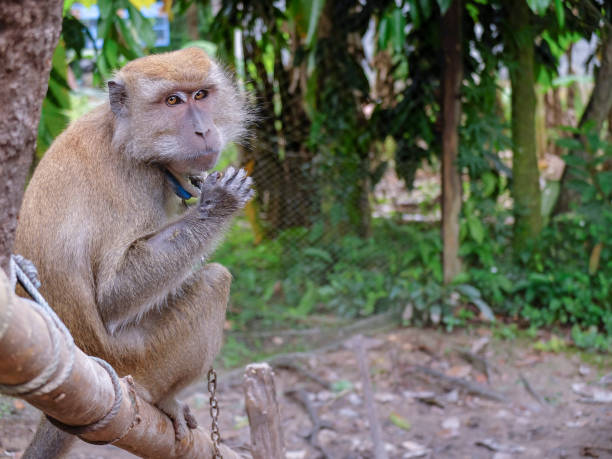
pixel 121 256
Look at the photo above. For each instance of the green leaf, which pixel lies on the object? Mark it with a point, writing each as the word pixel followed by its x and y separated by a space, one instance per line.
pixel 341 385
pixel 560 13
pixel 142 25
pixel 398 24
pixel 306 17
pixel 426 8
pixel 111 52
pixel 468 290
pixel 307 301
pixel 107 14
pixel 313 19
pixel 444 5
pixel 128 36
pixel 400 421
pixel 489 182
pixel 538 6
pixel 550 194
pixel 318 253
pixel 414 13
pixel 476 229
pixel 384 32
pixel 605 181
pixel 484 308
pixel 575 161
pixel 569 143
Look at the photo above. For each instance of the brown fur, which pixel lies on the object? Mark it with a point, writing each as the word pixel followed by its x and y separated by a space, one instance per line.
pixel 123 272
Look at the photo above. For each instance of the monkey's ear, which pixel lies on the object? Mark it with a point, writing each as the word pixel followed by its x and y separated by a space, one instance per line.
pixel 117 96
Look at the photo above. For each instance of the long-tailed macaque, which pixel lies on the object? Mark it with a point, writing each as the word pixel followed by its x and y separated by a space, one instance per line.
pixel 120 256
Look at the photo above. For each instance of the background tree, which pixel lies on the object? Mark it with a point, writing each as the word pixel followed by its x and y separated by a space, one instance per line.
pixel 451 112
pixel 28 36
pixel 526 185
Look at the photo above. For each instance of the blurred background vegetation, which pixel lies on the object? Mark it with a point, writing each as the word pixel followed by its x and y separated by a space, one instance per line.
pixel 348 150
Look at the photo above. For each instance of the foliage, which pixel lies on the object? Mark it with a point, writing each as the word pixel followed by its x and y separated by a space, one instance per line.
pixel 328 115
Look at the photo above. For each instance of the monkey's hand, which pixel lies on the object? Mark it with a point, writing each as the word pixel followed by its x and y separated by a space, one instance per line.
pixel 224 196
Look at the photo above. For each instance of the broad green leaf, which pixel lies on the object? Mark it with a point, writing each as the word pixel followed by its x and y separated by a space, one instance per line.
pixel 575 161
pixel 476 229
pixel 384 32
pixel 306 17
pixel 103 68
pixel 468 290
pixel 550 193
pixel 605 181
pixel 307 301
pixel 142 25
pixel 128 36
pixel 560 13
pixel 111 52
pixel 569 143
pixel 313 19
pixel 489 182
pixel 484 308
pixel 398 24
pixel 107 14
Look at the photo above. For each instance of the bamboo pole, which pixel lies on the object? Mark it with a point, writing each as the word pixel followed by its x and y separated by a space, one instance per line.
pixel 86 395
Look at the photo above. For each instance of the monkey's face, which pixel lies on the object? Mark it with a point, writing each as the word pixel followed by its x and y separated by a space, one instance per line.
pixel 177 109
pixel 189 140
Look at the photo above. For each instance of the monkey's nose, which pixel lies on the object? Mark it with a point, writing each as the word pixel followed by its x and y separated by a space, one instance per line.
pixel 202 132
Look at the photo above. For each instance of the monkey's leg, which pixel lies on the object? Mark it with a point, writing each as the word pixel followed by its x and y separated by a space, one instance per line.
pixel 48 442
pixel 179 342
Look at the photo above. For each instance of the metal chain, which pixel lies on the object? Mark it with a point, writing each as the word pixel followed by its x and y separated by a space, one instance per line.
pixel 215 436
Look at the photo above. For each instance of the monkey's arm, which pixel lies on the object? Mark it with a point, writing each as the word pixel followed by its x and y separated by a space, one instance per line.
pixel 140 277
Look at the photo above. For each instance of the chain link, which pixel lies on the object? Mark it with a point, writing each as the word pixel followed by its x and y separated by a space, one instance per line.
pixel 215 436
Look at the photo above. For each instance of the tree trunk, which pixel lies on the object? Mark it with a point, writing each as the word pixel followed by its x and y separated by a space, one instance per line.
pixel 451 115
pixel 596 111
pixel 29 31
pixel 525 187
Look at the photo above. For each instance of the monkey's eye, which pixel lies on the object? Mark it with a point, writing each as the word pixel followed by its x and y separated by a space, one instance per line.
pixel 201 94
pixel 173 100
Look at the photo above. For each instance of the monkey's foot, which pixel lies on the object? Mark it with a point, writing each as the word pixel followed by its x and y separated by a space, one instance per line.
pixel 181 416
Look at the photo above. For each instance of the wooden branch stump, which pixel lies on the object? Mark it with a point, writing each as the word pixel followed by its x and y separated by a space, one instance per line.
pixel 263 412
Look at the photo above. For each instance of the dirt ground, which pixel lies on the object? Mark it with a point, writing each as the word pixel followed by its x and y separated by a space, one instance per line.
pixel 550 405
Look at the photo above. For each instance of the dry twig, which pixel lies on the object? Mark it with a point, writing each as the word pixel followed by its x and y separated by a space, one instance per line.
pixel 368 393
pixel 469 386
pixel 318 424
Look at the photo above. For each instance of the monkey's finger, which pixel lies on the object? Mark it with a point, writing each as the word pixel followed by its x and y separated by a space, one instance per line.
pixel 249 195
pixel 246 183
pixel 241 175
pixel 228 175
